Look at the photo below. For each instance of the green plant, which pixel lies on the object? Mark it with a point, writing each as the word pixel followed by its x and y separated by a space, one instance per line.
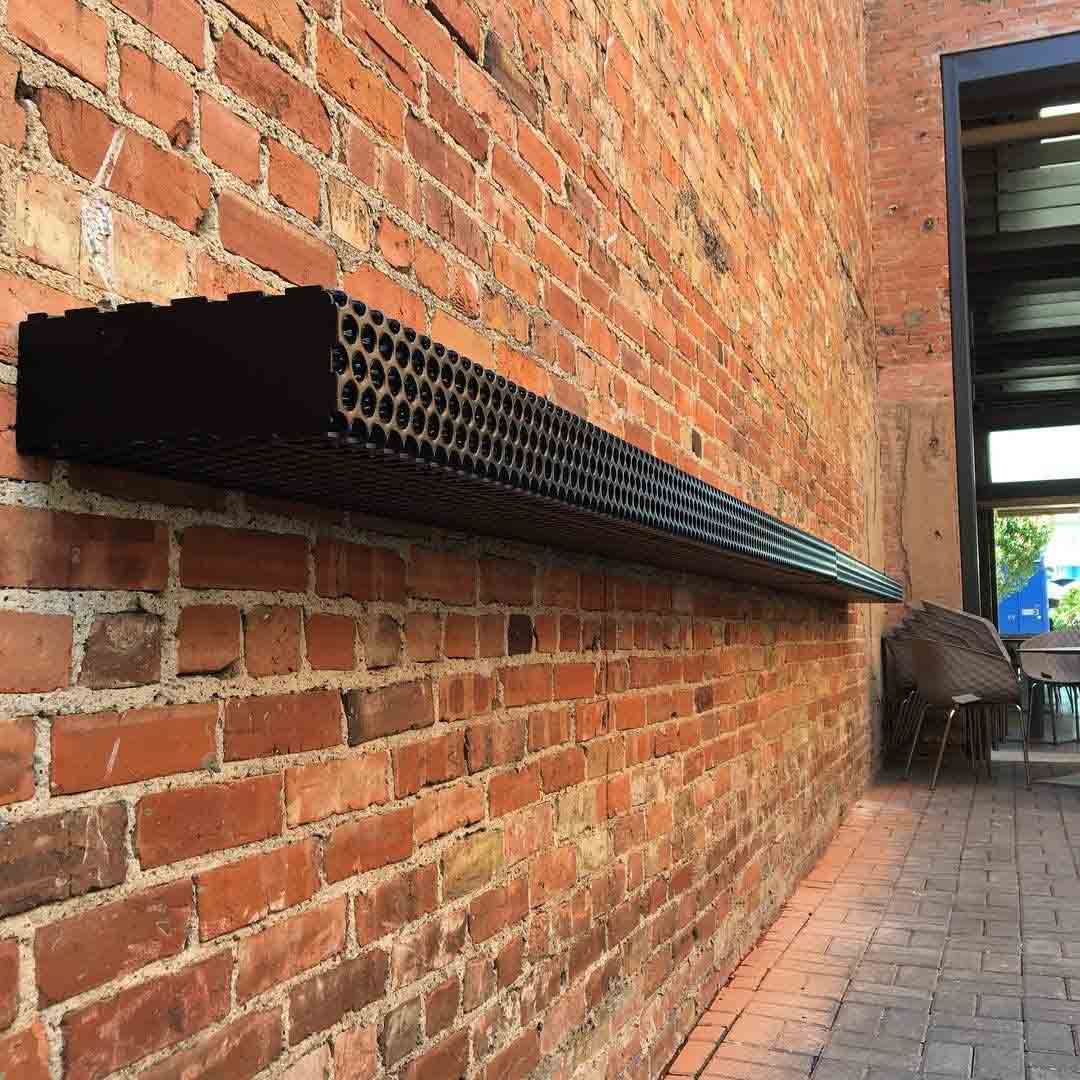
pixel 1067 613
pixel 1020 543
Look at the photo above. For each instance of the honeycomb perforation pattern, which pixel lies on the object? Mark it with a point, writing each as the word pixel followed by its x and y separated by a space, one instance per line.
pixel 399 390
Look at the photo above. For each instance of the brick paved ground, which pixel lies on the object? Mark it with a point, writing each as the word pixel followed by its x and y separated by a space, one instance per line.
pixel 939 936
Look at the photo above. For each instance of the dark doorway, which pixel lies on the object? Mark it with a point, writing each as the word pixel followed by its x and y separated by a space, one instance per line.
pixel 1012 139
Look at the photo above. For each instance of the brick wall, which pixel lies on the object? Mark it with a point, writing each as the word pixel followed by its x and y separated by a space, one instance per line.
pixel 323 795
pixel 905 42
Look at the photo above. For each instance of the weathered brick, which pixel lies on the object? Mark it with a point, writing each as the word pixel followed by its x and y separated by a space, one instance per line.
pixel 471 864
pixel 52 858
pixel 325 998
pixel 45 549
pixel 382 641
pixel 86 950
pixel 518 1060
pixel 245 891
pixel 165 183
pixel 157 94
pixel 66 32
pixel 356 1054
pixel 141 1019
pixel 448 1060
pixel 35 652
pixel 429 761
pixel 105 749
pixel 526 685
pixel 216 558
pixel 279 21
pixel 423 635
pixel 122 650
pixel 181 23
pixel 432 946
pixel 401 1031
pixel 184 822
pixel 16 759
pixel 513 790
pixel 235 1052
pixel 331 642
pixel 495 743
pixel 288 947
pixel 272 640
pixel 498 908
pixel 336 787
pixel 389 710
pixel 358 572
pixel 367 844
pixel 437 575
pixel 391 904
pixel 293 181
pixel 552 873
pixel 260 81
pixel 229 141
pixel 25 1054
pixel 357 87
pixel 281 724
pixel 441 812
pixel 9 982
pixel 208 638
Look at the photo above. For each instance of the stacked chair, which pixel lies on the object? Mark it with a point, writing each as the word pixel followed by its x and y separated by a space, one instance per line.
pixel 938 660
pixel 1054 674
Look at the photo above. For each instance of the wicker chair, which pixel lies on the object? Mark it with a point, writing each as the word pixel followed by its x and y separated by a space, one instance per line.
pixel 1053 672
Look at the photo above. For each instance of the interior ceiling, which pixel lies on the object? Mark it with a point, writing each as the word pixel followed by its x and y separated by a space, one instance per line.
pixel 1022 216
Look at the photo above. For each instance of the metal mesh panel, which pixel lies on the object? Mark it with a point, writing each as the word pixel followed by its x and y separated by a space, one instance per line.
pixel 418 431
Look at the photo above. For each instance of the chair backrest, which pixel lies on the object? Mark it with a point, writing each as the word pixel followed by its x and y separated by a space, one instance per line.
pixel 981 632
pixel 944 671
pixel 1051 666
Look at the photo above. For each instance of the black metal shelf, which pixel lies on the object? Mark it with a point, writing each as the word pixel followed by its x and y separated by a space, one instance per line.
pixel 315 396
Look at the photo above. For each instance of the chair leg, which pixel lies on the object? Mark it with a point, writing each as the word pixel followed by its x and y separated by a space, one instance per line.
pixel 921 714
pixel 944 742
pixel 1025 727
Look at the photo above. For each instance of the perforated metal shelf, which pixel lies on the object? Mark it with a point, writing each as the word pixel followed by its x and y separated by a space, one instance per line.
pixel 316 396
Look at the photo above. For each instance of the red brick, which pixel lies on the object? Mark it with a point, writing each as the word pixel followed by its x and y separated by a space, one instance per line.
pixel 16 760
pixel 217 558
pixel 462 697
pixel 395 244
pixel 25 1054
pixel 281 724
pixel 141 1019
pixel 462 22
pixel 96 946
pixel 66 32
pixel 44 549
pixel 229 141
pixel 549 728
pixel 12 114
pixel 575 681
pixel 184 822
pixel 516 273
pixel 293 181
pixel 324 999
pixel 516 85
pixel 180 22
pixel 516 181
pixel 279 21
pixel 382 641
pixel 9 982
pixel 430 38
pixel 511 791
pixel 238 1051
pixel 369 843
pixel 505 581
pixel 106 749
pixel 498 908
pixel 79 135
pixel 509 962
pixel 157 94
pixel 35 652
pixel 479 984
pixel 389 710
pixel 13 465
pixel 552 873
pixel 331 642
pixel 20 296
pixel 527 685
pixel 272 640
pixel 389 905
pixel 164 183
pixel 376 42
pixel 208 638
pixel 357 87
pixel 460 641
pixel 563 769
pixel 260 81
pixel 324 788
pixel 243 892
pixel 437 575
pixel 518 1060
pixel 456 121
pixel 429 761
pixel 442 812
pixel 423 634
pixel 61 856
pixel 288 947
pixel 441 1006
pixel 358 572
pixel 356 1054
pixel 274 244
pixel 123 649
pixel 497 743
pixel 449 1060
